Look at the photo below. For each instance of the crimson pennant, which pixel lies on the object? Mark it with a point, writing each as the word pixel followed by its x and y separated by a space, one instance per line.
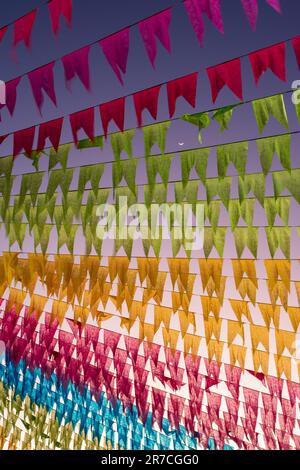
pixel 113 111
pixel 185 87
pixel 77 63
pixel 272 58
pixel 50 130
pixel 296 46
pixel 23 28
pixel 57 9
pixel 195 10
pixel 23 140
pixel 156 26
pixel 229 74
pixel 251 10
pixel 116 50
pixel 11 94
pixel 146 99
pixel 43 79
pixel 3 138
pixel 3 32
pixel 83 120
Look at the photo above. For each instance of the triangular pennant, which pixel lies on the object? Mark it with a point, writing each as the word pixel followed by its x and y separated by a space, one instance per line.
pixel 43 79
pixel 146 99
pixel 77 63
pixel 156 26
pixel 185 87
pixel 229 74
pixel 116 49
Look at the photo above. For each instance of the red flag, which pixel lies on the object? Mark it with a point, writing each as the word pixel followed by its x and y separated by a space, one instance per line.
pixel 185 87
pixel 196 8
pixel 114 110
pixel 229 74
pixel 83 120
pixel 77 63
pixel 57 9
pixel 272 58
pixel 3 137
pixel 23 140
pixel 23 28
pixel 296 46
pixel 52 131
pixel 3 32
pixel 146 99
pixel 156 26
pixel 42 79
pixel 11 94
pixel 116 49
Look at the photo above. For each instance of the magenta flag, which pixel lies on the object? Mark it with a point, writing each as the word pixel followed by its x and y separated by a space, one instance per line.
pixel 77 63
pixel 50 130
pixel 251 10
pixel 195 10
pixel 156 26
pixel 11 94
pixel 296 46
pixel 116 50
pixel 229 74
pixel 272 58
pixel 3 32
pixel 23 140
pixel 146 99
pixel 185 87
pixel 23 28
pixel 113 111
pixel 57 9
pixel 43 79
pixel 83 120
pixel 275 4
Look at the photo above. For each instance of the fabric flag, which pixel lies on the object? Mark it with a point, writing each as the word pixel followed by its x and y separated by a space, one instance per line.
pixel 296 46
pixel 23 140
pixel 77 63
pixel 156 26
pixel 229 74
pixel 269 58
pixel 273 105
pixel 146 99
pixel 185 87
pixel 114 110
pixel 43 79
pixel 196 8
pixel 57 9
pixel 251 10
pixel 52 131
pixel 3 32
pixel 11 94
pixel 83 120
pixel 23 28
pixel 116 49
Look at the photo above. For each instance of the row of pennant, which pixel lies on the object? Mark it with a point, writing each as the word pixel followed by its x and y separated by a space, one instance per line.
pixel 116 49
pixel 264 109
pixel 227 74
pixel 66 280
pixel 22 27
pixel 114 365
pixel 211 328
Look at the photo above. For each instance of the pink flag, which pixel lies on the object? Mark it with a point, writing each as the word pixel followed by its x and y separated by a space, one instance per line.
pixel 114 110
pixel 296 46
pixel 50 130
pixel 57 9
pixel 11 94
pixel 23 140
pixel 251 10
pixel 146 99
pixel 229 74
pixel 23 28
pixel 275 4
pixel 185 87
pixel 83 120
pixel 272 58
pixel 156 26
pixel 77 63
pixel 116 49
pixel 42 79
pixel 195 10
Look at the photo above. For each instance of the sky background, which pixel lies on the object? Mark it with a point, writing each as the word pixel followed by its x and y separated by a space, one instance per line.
pixel 93 20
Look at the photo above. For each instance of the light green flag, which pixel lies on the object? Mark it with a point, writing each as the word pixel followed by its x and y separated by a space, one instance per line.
pixel 281 145
pixel 122 142
pixel 59 157
pixel 214 238
pixel 264 108
pixel 255 184
pixel 221 188
pixel 246 237
pixel 279 237
pixel 287 180
pixel 274 207
pixel 197 159
pixel 201 120
pixel 155 134
pixel 224 115
pixel 236 153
